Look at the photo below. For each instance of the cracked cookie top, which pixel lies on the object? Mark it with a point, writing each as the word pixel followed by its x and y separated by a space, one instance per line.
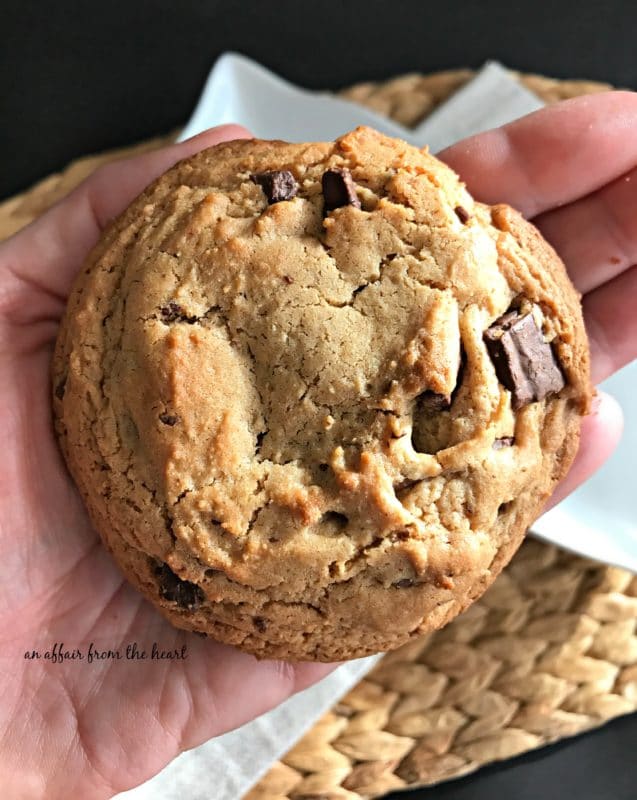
pixel 320 387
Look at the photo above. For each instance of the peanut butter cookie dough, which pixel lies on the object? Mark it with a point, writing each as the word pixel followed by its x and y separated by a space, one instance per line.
pixel 314 394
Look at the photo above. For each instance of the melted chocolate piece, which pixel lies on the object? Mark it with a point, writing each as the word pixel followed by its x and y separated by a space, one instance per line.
pixel 524 363
pixel 431 402
pixel 277 184
pixel 173 312
pixel 339 189
pixel 174 589
pixel 462 214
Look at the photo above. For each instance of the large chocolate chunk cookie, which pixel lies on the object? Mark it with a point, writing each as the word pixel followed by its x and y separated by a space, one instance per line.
pixel 313 395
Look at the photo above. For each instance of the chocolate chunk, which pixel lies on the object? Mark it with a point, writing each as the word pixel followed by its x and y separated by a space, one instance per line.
pixel 169 419
pixel 277 184
pixel 504 441
pixel 60 389
pixel 431 402
pixel 403 583
pixel 339 189
pixel 524 363
pixel 508 318
pixel 172 588
pixel 462 214
pixel 171 312
pixel 260 624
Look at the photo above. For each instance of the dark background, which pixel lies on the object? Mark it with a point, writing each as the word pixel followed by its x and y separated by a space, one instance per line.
pixel 79 77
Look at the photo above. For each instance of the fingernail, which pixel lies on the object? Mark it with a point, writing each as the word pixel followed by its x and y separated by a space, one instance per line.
pixel 215 128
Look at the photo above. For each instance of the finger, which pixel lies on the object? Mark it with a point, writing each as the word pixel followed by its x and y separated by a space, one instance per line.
pixel 48 252
pixel 264 685
pixel 601 432
pixel 552 156
pixel 596 237
pixel 611 322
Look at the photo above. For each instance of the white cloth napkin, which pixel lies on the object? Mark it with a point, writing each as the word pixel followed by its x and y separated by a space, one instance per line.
pixel 240 90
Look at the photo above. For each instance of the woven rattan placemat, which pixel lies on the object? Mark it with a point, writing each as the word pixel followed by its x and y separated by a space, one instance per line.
pixel 548 652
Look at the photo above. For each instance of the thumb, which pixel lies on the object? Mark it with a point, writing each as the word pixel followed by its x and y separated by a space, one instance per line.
pixel 46 254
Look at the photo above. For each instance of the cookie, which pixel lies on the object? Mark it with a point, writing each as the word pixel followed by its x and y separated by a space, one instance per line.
pixel 313 395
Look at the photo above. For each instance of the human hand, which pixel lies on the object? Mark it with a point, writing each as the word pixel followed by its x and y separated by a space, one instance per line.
pixel 100 728
pixel 73 728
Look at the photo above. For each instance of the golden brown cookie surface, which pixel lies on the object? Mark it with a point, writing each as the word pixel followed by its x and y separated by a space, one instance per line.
pixel 313 395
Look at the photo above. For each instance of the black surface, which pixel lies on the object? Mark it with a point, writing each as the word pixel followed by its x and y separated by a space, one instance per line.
pixel 79 77
pixel 596 766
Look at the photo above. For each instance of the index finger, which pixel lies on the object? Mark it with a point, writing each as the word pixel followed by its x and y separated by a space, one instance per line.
pixel 552 156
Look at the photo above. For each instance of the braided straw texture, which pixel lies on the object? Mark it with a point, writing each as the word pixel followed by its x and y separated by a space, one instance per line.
pixel 548 652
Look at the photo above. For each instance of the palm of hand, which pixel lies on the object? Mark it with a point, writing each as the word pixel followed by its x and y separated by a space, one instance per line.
pixel 102 727
pixel 113 722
